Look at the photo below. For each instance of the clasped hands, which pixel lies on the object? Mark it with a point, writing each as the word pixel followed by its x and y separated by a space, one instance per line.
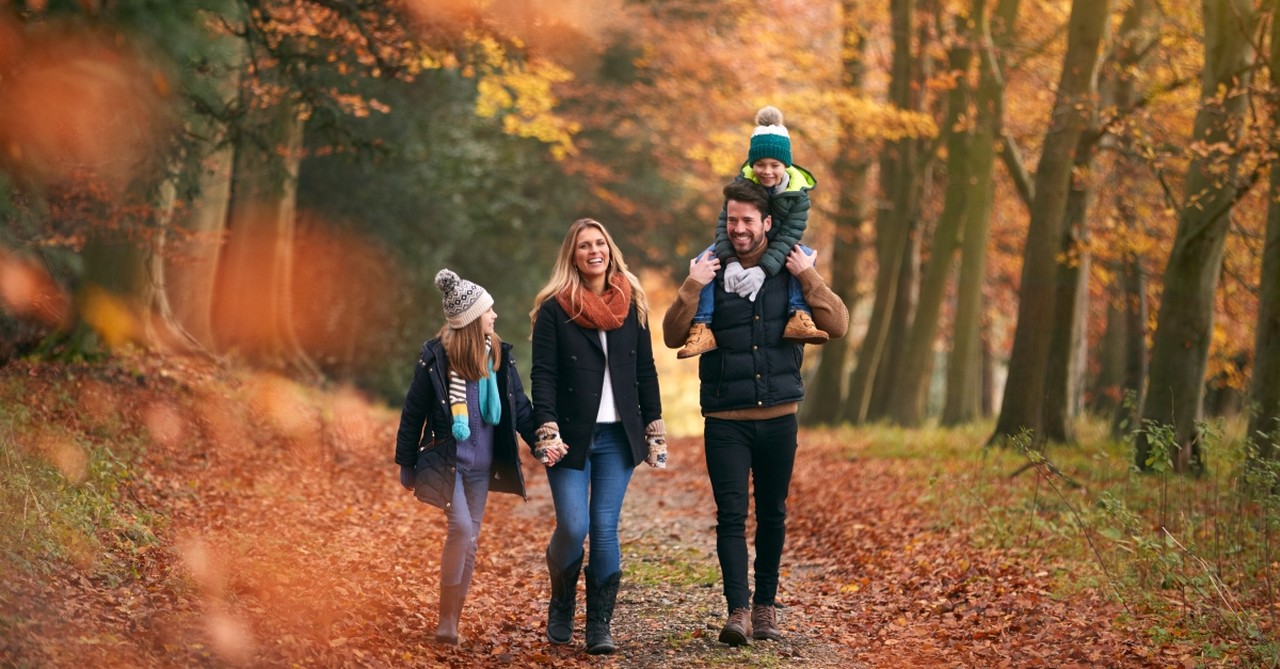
pixel 548 447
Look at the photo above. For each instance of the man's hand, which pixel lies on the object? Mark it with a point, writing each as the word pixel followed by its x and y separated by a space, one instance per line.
pixel 703 268
pixel 799 261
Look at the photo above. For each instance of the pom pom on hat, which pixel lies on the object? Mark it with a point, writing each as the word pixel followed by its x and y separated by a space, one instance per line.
pixel 770 139
pixel 464 301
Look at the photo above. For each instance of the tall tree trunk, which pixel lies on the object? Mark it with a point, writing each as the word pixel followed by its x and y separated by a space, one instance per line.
pixel 898 176
pixel 195 268
pixel 911 390
pixel 122 295
pixel 194 271
pixel 966 397
pixel 825 399
pixel 1184 325
pixel 1023 403
pixel 253 304
pixel 1264 389
pixel 892 357
pixel 1066 355
pixel 1124 355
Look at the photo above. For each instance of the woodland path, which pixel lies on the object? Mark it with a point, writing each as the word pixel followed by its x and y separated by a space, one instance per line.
pixel 286 541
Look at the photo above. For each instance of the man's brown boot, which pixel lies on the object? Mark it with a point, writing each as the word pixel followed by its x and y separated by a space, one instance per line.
pixel 700 341
pixel 764 623
pixel 738 629
pixel 801 328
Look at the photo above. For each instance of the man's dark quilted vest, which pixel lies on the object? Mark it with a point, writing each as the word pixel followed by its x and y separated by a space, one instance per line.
pixel 752 366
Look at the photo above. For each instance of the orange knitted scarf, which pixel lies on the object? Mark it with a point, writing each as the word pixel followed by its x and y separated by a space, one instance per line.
pixel 599 312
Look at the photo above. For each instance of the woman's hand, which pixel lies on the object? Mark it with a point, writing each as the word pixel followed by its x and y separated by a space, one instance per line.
pixel 550 449
pixel 655 435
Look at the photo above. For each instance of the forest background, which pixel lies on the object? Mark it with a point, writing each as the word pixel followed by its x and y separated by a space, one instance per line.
pixel 1036 210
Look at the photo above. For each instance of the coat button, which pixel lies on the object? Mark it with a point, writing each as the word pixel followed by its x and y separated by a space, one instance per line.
pixel 497 475
pixel 573 358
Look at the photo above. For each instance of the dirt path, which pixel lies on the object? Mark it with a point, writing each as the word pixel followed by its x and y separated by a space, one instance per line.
pixel 287 542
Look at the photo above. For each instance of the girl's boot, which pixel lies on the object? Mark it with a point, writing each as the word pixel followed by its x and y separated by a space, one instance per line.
pixel 451 598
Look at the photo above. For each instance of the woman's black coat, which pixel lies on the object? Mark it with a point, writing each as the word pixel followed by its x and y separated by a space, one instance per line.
pixel 425 439
pixel 568 375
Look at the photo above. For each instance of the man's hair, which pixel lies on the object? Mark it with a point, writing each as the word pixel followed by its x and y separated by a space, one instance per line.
pixel 749 192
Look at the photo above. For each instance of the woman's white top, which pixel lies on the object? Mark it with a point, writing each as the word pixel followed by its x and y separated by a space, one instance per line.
pixel 608 412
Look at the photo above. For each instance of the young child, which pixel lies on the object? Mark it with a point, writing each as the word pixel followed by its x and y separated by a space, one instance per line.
pixel 768 164
pixel 457 436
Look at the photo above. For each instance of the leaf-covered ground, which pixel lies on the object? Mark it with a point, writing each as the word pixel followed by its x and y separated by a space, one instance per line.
pixel 285 540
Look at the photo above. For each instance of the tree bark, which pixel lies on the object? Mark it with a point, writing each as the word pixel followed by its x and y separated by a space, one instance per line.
pixel 1184 325
pixel 1264 388
pixel 1123 350
pixel 1022 406
pixel 967 393
pixel 898 178
pixel 1071 298
pixel 911 390
pixel 824 401
pixel 253 303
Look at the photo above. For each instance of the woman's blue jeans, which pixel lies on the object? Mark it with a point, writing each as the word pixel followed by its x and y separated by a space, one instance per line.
pixel 589 501
pixel 470 493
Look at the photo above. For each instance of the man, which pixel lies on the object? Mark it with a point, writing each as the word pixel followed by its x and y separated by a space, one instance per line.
pixel 751 390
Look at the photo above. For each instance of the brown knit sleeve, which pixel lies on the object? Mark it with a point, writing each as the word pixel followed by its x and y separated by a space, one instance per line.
pixel 679 316
pixel 829 313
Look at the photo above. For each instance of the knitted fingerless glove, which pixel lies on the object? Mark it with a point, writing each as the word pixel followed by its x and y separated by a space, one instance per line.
pixel 655 435
pixel 548 439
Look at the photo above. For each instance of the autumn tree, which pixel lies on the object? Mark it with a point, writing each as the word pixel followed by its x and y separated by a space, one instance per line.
pixel 1023 403
pixel 851 171
pixel 959 126
pixel 964 386
pixel 1265 386
pixel 1214 183
pixel 897 189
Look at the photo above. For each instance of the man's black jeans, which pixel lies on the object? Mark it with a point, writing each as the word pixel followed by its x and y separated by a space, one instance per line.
pixel 738 451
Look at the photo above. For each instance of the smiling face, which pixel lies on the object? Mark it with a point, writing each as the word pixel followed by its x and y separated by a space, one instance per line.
pixel 591 255
pixel 746 228
pixel 768 171
pixel 487 319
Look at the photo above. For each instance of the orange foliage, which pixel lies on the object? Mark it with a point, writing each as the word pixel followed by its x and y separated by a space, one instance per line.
pixel 28 292
pixel 75 101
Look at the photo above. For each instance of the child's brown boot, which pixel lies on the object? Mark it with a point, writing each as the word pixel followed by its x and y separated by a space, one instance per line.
pixel 700 341
pixel 801 328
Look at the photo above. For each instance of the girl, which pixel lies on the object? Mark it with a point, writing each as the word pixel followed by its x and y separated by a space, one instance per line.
pixel 467 393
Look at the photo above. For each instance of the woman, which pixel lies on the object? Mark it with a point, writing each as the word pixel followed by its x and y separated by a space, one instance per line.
pixel 467 393
pixel 596 386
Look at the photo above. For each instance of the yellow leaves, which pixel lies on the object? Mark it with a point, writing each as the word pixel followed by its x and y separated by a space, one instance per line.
pixel 109 316
pixel 523 96
pixel 871 119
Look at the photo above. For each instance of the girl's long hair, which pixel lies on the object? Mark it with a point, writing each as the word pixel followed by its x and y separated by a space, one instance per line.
pixel 465 349
pixel 565 276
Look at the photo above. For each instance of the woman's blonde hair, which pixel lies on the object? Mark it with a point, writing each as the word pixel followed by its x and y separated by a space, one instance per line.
pixel 565 275
pixel 464 347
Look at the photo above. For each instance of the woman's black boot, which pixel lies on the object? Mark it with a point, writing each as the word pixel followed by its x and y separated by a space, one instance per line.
pixel 601 596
